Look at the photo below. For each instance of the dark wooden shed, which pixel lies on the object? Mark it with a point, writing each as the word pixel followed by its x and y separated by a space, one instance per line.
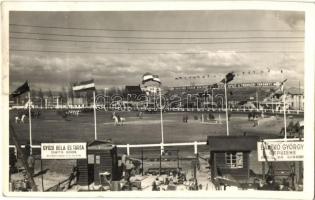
pixel 101 158
pixel 229 156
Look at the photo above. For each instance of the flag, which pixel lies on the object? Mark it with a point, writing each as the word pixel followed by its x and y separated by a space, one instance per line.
pixel 20 90
pixel 228 78
pixel 83 86
pixel 149 77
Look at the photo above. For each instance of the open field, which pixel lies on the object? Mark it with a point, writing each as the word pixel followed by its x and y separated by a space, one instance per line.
pixel 51 127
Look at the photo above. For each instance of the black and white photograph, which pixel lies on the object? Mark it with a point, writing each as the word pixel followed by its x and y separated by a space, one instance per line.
pixel 156 101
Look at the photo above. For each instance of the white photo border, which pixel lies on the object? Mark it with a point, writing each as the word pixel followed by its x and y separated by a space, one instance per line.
pixel 309 53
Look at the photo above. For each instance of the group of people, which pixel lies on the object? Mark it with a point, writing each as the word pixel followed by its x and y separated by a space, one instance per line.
pixel 170 180
pixel 272 185
pixel 210 117
pixel 20 116
pixel 254 117
pixel 118 120
pixel 185 118
pixel 294 130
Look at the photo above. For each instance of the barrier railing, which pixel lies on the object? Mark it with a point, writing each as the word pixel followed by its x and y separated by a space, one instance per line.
pixel 128 146
pixel 177 109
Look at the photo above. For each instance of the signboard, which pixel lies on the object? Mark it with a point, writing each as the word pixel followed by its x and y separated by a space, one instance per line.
pixel 233 85
pixel 280 150
pixel 63 150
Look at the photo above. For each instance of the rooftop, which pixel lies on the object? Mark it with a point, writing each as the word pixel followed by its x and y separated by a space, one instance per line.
pixel 232 143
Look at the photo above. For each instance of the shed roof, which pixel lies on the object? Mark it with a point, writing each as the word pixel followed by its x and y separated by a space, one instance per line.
pixel 101 145
pixel 133 89
pixel 232 143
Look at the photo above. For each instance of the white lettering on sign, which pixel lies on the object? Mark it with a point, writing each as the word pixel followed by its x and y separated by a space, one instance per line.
pixel 280 150
pixel 63 150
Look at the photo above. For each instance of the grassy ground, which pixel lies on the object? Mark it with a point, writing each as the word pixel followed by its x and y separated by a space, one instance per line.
pixel 51 127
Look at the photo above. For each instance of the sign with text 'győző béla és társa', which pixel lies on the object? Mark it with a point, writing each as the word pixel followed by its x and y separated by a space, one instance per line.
pixel 280 150
pixel 63 150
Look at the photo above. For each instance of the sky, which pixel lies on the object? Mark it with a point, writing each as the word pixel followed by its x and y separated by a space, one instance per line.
pixel 53 49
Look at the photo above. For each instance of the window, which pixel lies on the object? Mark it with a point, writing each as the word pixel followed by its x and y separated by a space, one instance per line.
pixel 97 159
pixel 91 159
pixel 234 159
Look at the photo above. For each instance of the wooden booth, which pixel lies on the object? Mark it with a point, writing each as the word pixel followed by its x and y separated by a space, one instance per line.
pixel 101 159
pixel 229 156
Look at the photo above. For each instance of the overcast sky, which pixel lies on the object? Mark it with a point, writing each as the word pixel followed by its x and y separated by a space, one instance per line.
pixel 52 49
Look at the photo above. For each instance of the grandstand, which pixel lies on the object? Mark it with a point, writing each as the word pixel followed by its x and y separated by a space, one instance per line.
pixel 262 94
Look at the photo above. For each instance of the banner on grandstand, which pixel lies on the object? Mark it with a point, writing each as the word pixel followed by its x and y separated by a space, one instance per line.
pixel 272 151
pixel 63 151
pixel 83 86
pixel 235 85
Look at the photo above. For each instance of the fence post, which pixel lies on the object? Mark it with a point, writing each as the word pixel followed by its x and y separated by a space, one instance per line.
pixel 195 147
pixel 142 160
pixel 128 150
pixel 160 164
pixel 162 148
pixel 15 152
pixel 178 158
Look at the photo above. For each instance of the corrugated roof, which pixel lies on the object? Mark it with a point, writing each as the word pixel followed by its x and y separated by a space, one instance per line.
pixel 232 143
pixel 100 145
pixel 133 89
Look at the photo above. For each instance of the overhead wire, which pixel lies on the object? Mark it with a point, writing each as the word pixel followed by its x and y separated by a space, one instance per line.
pixel 152 30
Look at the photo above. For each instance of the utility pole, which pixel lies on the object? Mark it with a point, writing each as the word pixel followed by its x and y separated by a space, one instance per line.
pixel 257 102
pixel 24 161
pixel 226 111
pixel 299 97
pixel 228 77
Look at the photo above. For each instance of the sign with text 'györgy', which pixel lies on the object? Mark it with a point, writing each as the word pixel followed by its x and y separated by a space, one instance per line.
pixel 63 150
pixel 280 151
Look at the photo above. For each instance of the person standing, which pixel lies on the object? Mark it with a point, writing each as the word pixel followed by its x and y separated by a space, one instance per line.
pixel 31 164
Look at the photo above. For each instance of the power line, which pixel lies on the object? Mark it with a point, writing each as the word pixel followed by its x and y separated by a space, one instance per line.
pixel 172 49
pixel 126 49
pixel 189 53
pixel 142 37
pixel 128 42
pixel 151 30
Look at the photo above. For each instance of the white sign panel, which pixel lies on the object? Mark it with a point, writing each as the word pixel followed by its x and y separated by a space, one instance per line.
pixel 63 150
pixel 280 150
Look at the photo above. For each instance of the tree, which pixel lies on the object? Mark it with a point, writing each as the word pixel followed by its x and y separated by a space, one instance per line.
pixel 40 94
pixel 50 94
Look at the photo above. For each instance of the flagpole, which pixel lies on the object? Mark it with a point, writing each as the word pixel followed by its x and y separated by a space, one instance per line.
pixel 284 115
pixel 161 113
pixel 30 120
pixel 94 108
pixel 284 109
pixel 226 111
